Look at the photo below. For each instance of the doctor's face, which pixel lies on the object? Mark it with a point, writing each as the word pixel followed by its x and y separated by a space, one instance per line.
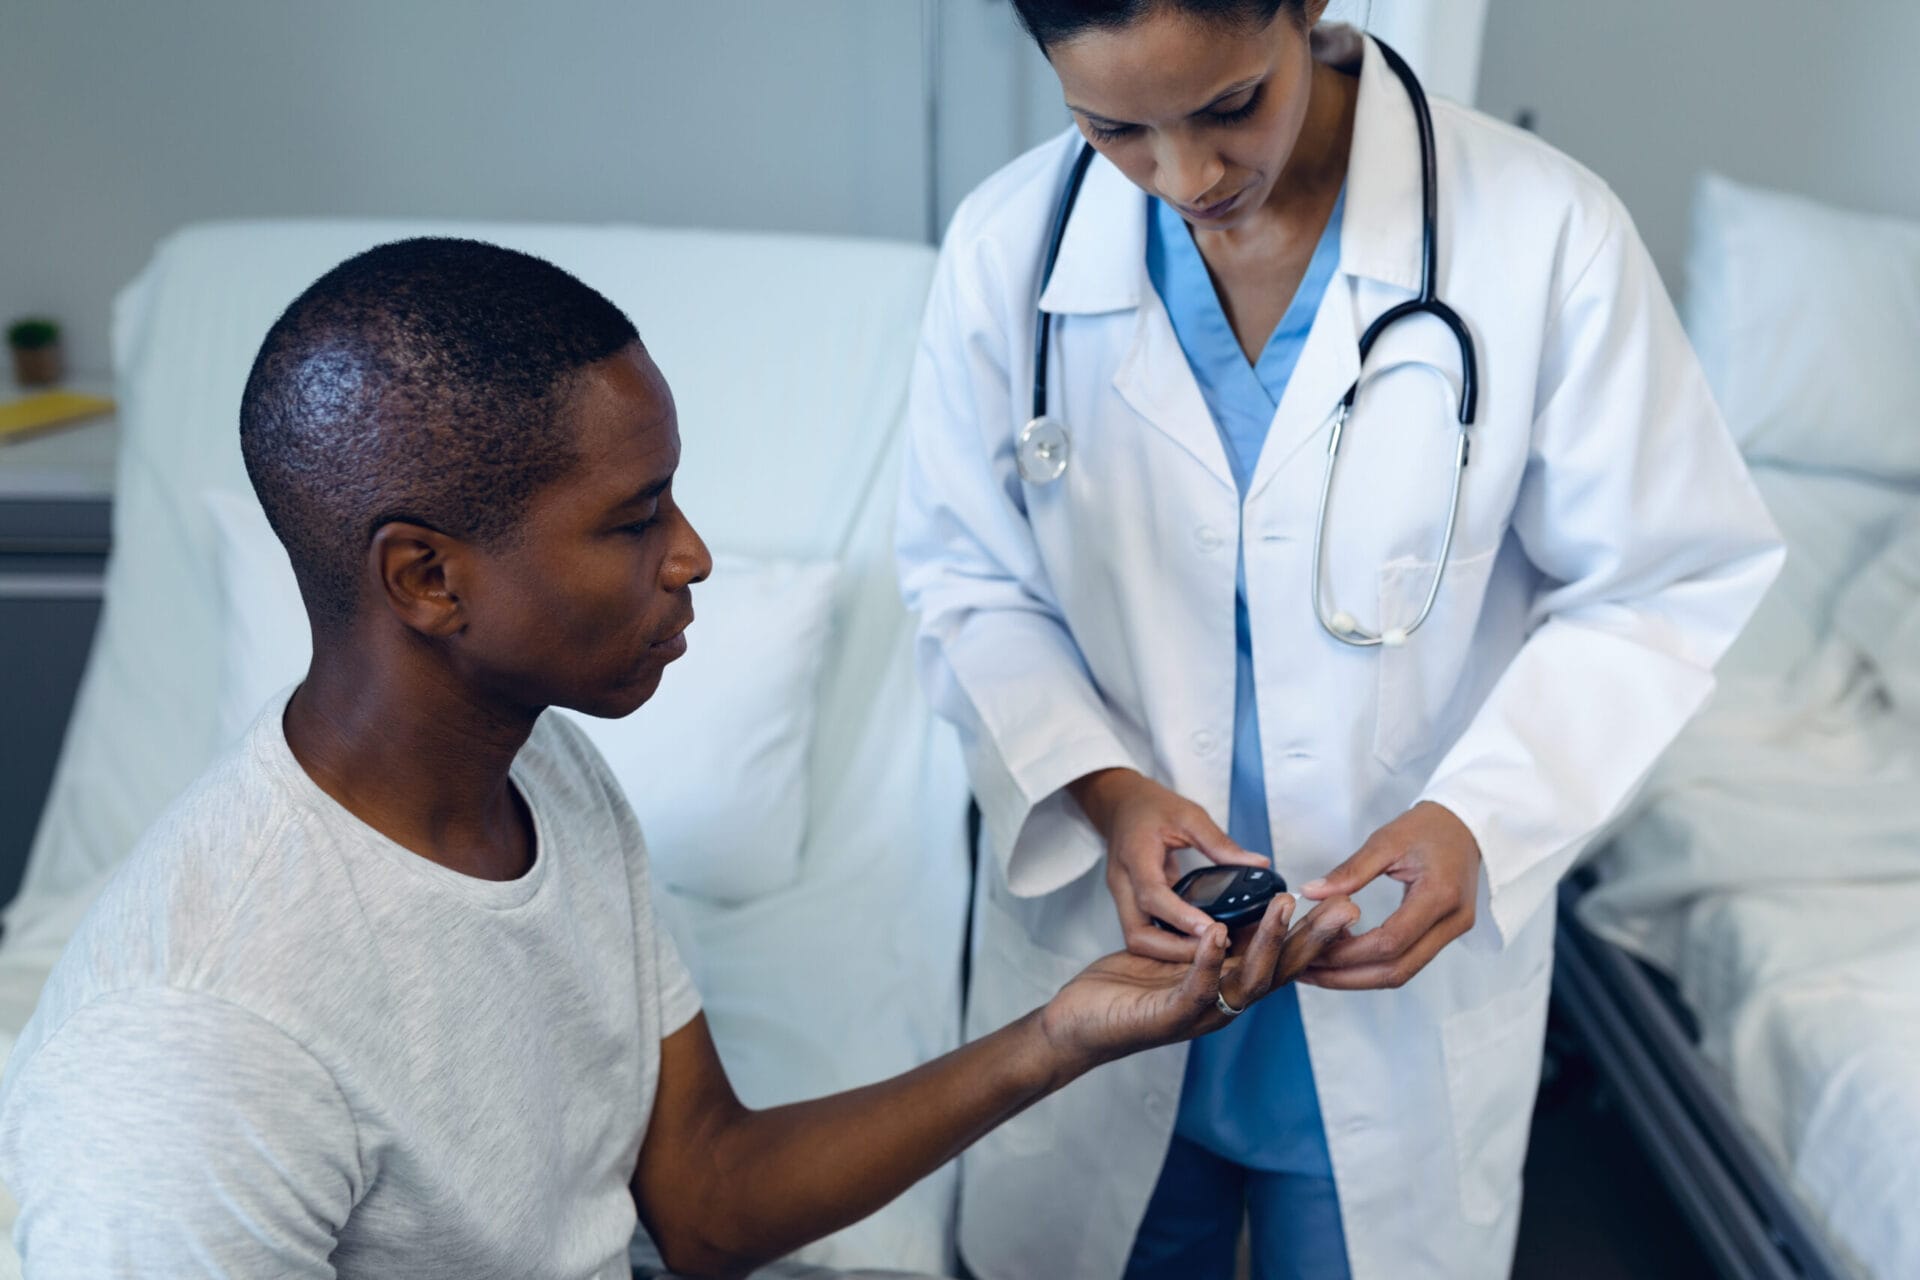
pixel 1202 114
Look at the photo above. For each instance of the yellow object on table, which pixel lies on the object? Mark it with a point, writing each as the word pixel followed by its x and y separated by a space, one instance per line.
pixel 48 409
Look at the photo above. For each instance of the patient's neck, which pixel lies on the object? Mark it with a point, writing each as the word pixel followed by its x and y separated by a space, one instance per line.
pixel 393 737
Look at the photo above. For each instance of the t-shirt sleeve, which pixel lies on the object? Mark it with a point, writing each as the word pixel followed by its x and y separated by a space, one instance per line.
pixel 679 998
pixel 168 1133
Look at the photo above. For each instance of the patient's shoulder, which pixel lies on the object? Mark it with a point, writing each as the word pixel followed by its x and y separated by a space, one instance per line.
pixel 159 914
pixel 156 915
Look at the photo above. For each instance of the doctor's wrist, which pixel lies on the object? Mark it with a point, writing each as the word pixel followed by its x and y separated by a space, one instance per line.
pixel 1100 793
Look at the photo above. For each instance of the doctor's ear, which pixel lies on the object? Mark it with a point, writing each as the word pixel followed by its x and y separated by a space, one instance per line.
pixel 412 563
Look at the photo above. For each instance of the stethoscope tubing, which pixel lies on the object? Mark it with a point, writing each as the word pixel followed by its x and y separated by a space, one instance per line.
pixel 1049 439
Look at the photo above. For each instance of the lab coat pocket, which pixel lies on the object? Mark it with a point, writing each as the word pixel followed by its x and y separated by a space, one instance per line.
pixel 1013 975
pixel 1492 1055
pixel 1418 678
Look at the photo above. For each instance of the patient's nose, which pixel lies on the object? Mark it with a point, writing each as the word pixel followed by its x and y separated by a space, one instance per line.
pixel 689 561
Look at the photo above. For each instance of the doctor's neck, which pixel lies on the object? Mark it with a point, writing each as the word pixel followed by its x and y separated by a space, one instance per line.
pixel 1318 165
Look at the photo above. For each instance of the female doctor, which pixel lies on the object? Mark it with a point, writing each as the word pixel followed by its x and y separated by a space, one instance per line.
pixel 1421 671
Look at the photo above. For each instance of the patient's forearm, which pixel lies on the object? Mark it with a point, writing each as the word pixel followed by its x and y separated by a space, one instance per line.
pixel 792 1174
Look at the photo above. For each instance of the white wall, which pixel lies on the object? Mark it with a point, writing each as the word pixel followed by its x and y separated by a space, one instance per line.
pixel 1816 96
pixel 122 119
pixel 998 96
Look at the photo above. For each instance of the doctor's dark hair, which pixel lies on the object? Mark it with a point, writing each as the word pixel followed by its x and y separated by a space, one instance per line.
pixel 1051 22
pixel 425 380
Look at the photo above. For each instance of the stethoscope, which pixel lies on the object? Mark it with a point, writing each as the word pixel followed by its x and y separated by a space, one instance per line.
pixel 1044 446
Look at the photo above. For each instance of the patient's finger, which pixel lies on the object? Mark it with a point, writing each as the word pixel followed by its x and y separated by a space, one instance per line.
pixel 1322 929
pixel 1202 980
pixel 1252 978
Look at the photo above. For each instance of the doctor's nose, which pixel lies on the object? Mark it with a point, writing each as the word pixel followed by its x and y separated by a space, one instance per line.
pixel 1188 174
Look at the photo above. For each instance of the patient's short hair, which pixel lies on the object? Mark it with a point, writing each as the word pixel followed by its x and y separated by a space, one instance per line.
pixel 424 380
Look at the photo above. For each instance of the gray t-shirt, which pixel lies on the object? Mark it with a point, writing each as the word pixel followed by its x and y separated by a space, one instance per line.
pixel 281 1044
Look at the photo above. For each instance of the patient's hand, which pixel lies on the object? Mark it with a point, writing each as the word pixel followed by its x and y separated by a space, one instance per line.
pixel 1125 1002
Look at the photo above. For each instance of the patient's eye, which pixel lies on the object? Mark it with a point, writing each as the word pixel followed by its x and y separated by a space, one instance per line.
pixel 637 527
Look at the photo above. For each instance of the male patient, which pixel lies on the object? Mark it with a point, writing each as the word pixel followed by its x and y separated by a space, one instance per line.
pixel 383 994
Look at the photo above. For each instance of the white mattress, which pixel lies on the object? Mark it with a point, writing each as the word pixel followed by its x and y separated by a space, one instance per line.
pixel 1809 1003
pixel 1773 869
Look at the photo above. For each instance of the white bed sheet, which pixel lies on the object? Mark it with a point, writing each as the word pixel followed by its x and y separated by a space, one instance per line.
pixel 789 358
pixel 1809 1003
pixel 1772 867
pixel 1831 523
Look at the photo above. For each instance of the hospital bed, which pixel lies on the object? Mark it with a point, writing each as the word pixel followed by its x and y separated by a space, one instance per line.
pixel 1741 956
pixel 823 965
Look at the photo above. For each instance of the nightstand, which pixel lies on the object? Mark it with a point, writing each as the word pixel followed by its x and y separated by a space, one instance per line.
pixel 56 512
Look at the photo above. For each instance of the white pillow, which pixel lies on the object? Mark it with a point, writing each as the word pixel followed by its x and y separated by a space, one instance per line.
pixel 1807 321
pixel 715 764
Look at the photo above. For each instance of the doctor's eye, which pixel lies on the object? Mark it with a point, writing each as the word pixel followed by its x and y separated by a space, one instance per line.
pixel 1242 112
pixel 1109 133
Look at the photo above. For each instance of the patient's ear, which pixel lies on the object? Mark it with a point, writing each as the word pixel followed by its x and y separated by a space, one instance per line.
pixel 411 561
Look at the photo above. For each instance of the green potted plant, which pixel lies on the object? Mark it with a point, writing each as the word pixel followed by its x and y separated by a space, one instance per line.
pixel 36 351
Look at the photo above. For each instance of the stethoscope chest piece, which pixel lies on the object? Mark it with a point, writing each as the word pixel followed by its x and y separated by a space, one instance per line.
pixel 1042 450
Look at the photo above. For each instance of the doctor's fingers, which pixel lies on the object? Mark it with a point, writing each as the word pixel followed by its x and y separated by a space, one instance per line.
pixel 1429 904
pixel 1371 861
pixel 1196 830
pixel 1394 973
pixel 1138 900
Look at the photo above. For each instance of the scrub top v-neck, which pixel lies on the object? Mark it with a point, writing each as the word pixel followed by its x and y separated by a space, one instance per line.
pixel 1249 1094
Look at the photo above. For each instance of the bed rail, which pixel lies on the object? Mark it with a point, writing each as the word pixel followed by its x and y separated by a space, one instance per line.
pixel 1731 1191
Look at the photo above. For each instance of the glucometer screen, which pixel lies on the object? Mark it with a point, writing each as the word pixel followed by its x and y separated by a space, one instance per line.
pixel 1207 887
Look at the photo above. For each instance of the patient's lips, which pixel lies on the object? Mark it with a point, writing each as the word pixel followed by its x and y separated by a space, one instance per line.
pixel 675 643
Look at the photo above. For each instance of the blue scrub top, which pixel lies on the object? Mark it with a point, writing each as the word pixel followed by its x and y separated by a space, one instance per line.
pixel 1249 1094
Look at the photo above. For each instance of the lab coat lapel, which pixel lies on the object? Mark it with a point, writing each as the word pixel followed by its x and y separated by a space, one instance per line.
pixel 1379 246
pixel 1156 380
pixel 1103 268
pixel 1327 367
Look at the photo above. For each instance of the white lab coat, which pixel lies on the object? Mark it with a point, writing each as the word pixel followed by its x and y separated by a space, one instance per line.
pixel 1610 547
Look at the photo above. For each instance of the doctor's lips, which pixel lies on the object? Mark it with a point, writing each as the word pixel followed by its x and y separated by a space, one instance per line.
pixel 1211 212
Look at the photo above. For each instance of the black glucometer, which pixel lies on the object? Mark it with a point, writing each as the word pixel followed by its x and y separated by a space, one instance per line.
pixel 1232 895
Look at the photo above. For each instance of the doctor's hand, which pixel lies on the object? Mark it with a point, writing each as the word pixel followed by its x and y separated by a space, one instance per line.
pixel 1432 853
pixel 1124 1002
pixel 1144 824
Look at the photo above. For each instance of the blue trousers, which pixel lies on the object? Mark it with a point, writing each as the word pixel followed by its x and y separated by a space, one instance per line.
pixel 1192 1227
